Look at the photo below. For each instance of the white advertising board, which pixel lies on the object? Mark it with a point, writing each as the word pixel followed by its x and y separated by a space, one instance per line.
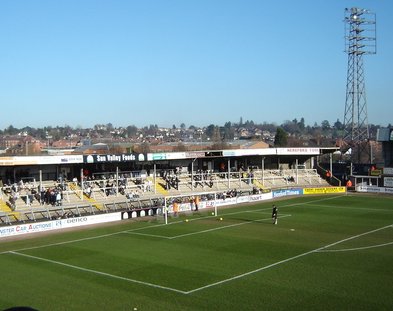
pixel 388 170
pixel 298 151
pixel 374 189
pixel 388 181
pixel 58 224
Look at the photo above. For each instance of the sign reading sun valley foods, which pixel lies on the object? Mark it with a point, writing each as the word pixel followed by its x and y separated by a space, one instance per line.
pixel 105 158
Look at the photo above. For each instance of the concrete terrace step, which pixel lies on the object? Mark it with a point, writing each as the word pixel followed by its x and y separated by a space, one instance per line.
pixel 4 207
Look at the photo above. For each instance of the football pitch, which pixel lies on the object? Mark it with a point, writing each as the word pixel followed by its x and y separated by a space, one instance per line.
pixel 325 253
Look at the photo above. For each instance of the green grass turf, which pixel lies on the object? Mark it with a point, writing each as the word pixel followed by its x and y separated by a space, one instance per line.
pixel 243 262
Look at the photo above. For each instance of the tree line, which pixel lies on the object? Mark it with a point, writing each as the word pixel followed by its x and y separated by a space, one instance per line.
pixel 288 129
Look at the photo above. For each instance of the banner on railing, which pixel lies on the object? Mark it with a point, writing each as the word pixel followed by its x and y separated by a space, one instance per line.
pixel 58 224
pixel 183 207
pixel 388 181
pixel 286 192
pixel 374 189
pixel 324 190
pixel 388 170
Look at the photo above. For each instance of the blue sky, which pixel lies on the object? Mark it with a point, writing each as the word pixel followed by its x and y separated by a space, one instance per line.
pixel 198 62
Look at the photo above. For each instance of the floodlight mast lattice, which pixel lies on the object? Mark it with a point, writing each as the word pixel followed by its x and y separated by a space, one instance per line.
pixel 360 40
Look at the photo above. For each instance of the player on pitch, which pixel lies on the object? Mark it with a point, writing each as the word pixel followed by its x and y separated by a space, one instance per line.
pixel 275 214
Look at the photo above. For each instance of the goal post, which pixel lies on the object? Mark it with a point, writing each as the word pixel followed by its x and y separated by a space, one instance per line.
pixel 204 201
pixel 191 202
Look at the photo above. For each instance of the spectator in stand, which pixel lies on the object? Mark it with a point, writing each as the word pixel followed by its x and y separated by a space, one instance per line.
pixel 58 198
pixel 175 208
pixel 211 181
pixel 88 191
pixel 328 175
pixel 108 188
pixel 196 201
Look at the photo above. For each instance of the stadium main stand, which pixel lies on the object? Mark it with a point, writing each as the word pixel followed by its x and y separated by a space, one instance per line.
pixel 27 201
pixel 34 187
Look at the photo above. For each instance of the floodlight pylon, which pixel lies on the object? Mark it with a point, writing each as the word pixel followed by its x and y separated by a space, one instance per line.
pixel 360 40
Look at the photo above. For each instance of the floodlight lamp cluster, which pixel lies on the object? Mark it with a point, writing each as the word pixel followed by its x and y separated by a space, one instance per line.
pixel 355 15
pixel 360 31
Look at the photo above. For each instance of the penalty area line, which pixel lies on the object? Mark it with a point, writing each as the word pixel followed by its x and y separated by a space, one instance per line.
pixel 98 272
pixel 147 234
pixel 224 227
pixel 204 231
pixel 354 249
pixel 320 249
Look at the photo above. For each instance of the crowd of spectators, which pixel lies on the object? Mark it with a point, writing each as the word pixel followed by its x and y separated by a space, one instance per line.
pixel 171 178
pixel 109 185
pixel 130 185
pixel 29 192
pixel 203 177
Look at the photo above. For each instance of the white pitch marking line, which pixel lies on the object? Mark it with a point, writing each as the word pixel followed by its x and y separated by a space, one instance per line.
pixel 65 242
pixel 355 208
pixel 353 237
pixel 312 201
pixel 283 261
pixel 116 233
pixel 206 286
pixel 98 272
pixel 172 289
pixel 249 273
pixel 224 227
pixel 86 239
pixel 207 230
pixel 149 235
pixel 153 226
pixel 354 249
